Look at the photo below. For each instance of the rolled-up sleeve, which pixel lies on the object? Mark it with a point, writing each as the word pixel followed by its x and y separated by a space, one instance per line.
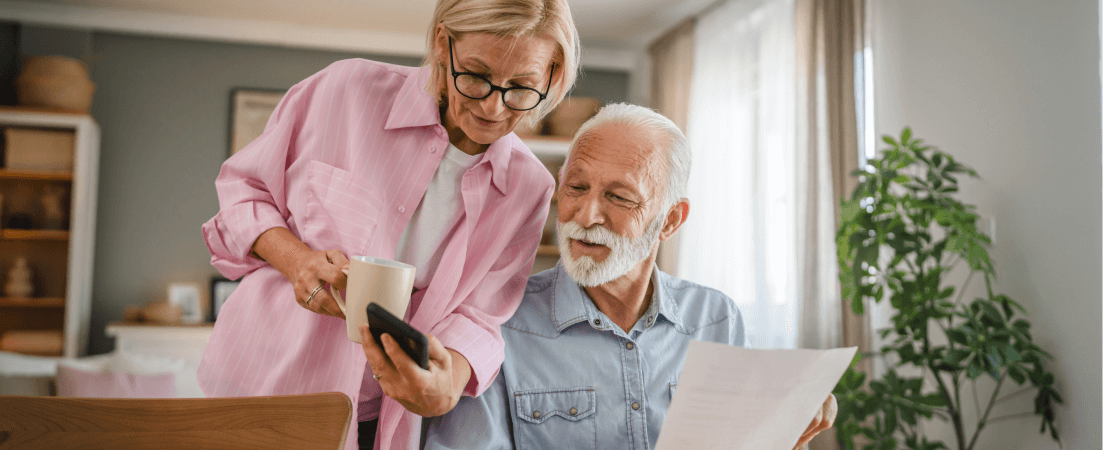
pixel 472 329
pixel 252 186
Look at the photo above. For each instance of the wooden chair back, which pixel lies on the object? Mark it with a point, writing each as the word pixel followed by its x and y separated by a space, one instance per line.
pixel 309 421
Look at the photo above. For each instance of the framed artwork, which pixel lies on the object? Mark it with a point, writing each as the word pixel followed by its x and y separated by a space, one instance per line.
pixel 189 297
pixel 221 288
pixel 249 113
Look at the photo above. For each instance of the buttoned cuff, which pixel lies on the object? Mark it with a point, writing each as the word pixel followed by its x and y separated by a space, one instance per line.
pixel 482 349
pixel 230 235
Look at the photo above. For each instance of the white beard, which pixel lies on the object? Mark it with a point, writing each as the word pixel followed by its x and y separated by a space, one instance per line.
pixel 624 253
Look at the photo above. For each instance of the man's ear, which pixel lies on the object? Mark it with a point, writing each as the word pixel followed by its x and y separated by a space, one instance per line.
pixel 675 218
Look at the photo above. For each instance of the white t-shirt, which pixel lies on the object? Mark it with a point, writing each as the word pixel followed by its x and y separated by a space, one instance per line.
pixel 432 223
pixel 435 218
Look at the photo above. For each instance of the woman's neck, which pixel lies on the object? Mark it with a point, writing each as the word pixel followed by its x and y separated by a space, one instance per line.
pixel 457 137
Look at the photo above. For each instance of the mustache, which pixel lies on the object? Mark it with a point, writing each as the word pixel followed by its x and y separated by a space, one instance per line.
pixel 596 234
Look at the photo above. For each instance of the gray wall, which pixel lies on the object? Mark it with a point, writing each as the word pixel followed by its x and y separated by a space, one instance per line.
pixel 163 109
pixel 1012 88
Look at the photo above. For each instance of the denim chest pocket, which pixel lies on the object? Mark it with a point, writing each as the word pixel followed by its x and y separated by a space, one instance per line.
pixel 556 418
pixel 350 204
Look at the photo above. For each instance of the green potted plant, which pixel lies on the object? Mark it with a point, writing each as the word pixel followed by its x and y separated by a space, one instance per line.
pixel 900 236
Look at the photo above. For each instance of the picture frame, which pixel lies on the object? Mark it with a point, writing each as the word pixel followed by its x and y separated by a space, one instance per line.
pixel 189 297
pixel 221 288
pixel 250 109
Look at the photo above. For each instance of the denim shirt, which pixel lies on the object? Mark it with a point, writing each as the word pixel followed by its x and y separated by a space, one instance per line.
pixel 572 379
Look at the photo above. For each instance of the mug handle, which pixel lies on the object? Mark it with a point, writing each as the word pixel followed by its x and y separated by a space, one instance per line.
pixel 337 295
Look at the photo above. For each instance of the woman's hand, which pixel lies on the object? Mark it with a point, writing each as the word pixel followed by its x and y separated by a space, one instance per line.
pixel 305 268
pixel 426 393
pixel 309 275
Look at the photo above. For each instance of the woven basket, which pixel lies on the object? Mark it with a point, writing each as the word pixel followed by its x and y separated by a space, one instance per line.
pixel 55 82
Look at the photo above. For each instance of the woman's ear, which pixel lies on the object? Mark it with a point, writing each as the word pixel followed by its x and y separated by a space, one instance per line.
pixel 440 44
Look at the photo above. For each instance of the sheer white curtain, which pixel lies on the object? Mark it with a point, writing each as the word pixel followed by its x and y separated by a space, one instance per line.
pixel 741 236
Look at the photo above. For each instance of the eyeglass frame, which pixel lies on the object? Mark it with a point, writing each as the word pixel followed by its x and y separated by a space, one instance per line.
pixel 493 87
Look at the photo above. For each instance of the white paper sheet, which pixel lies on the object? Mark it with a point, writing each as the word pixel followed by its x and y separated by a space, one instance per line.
pixel 743 399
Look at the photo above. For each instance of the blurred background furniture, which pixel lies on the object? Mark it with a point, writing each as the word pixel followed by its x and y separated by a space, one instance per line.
pixel 59 309
pixel 152 348
pixel 310 421
pixel 149 361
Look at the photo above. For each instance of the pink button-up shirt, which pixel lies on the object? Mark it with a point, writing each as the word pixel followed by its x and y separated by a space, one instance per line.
pixel 343 163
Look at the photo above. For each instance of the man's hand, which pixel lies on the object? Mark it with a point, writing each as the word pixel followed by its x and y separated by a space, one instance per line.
pixel 825 417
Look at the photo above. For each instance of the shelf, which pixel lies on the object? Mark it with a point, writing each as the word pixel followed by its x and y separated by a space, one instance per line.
pixel 35 235
pixel 548 146
pixel 33 302
pixel 150 325
pixel 40 110
pixel 40 355
pixel 547 250
pixel 6 174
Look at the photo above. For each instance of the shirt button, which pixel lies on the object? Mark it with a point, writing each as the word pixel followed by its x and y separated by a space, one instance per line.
pixel 574 411
pixel 401 209
pixel 635 405
pixel 629 346
pixel 597 322
pixel 650 320
pixel 432 149
pixel 536 414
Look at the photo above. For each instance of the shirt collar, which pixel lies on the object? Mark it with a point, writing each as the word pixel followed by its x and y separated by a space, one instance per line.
pixel 498 155
pixel 414 107
pixel 667 307
pixel 571 305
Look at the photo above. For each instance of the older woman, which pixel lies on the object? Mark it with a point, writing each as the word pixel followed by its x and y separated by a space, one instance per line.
pixel 414 164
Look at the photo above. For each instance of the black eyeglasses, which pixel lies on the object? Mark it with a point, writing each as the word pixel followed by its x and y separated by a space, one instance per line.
pixel 477 87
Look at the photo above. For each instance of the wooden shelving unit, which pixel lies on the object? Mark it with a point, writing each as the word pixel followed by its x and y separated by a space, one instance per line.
pixel 33 175
pixel 61 260
pixel 34 235
pixel 552 151
pixel 34 302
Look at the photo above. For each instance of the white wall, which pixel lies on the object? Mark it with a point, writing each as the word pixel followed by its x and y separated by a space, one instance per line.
pixel 1012 88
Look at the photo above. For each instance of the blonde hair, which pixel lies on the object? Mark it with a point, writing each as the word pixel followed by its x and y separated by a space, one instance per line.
pixel 509 18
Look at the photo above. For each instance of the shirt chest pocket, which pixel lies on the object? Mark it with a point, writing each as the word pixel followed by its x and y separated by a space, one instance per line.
pixel 344 212
pixel 555 418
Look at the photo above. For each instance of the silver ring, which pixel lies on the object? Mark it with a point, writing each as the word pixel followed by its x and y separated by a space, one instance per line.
pixel 376 376
pixel 312 294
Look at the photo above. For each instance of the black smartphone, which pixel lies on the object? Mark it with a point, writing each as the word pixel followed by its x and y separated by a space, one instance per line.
pixel 410 340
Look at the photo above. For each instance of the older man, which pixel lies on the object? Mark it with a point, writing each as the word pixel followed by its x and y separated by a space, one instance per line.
pixel 595 349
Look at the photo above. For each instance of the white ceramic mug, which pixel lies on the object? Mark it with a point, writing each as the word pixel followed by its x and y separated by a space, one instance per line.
pixel 385 282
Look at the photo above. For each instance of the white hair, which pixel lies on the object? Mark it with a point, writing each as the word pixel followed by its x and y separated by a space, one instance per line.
pixel 678 156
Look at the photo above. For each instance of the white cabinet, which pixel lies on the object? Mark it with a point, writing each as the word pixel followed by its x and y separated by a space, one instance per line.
pixel 164 348
pixel 61 259
pixel 185 342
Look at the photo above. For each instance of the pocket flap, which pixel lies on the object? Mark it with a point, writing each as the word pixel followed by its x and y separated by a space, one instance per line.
pixel 350 202
pixel 574 404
